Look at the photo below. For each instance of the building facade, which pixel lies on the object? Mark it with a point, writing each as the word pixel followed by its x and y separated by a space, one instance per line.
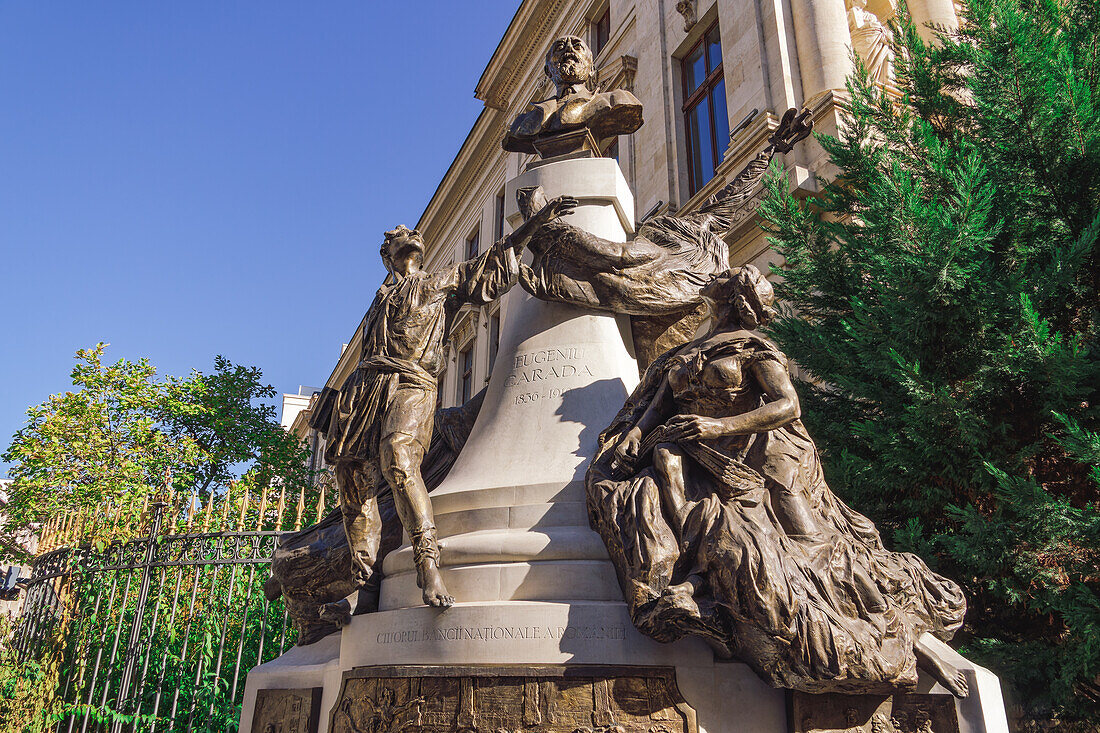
pixel 714 77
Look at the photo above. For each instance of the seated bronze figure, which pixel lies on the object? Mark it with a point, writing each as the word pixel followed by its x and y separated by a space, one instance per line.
pixel 710 497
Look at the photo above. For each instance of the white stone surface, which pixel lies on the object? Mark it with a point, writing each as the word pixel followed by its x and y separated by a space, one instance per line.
pixel 983 711
pixel 302 667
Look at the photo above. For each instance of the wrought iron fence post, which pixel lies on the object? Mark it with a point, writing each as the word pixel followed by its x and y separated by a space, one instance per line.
pixel 127 681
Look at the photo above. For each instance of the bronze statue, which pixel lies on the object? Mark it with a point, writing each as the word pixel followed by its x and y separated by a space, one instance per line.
pixel 575 107
pixel 313 570
pixel 381 424
pixel 710 497
pixel 658 274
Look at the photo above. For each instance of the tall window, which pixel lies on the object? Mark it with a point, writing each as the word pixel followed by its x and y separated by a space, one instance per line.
pixel 466 372
pixel 708 128
pixel 494 339
pixel 472 244
pixel 440 382
pixel 601 32
pixel 499 211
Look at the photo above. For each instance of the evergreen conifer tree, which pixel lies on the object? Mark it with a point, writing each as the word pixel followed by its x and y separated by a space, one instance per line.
pixel 943 296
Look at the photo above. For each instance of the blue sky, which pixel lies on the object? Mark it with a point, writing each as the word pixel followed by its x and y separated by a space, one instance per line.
pixel 185 179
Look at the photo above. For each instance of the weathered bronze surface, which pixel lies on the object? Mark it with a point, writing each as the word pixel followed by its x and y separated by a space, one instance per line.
pixel 710 497
pixel 529 699
pixel 576 105
pixel 900 713
pixel 656 276
pixel 312 569
pixel 287 711
pixel 381 424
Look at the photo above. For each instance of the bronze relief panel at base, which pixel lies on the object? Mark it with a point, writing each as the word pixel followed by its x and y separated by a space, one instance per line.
pixel 287 711
pixel 900 713
pixel 542 699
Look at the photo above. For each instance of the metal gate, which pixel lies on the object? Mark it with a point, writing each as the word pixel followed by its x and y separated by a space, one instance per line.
pixel 156 634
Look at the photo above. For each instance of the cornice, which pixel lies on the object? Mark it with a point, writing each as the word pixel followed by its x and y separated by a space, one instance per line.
pixel 525 35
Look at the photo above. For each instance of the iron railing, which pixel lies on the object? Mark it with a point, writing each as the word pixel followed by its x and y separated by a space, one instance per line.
pixel 157 633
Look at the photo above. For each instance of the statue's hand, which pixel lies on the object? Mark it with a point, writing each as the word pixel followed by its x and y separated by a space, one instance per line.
pixel 693 427
pixel 560 206
pixel 626 452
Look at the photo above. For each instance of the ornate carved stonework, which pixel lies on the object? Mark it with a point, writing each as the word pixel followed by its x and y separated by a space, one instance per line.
pixel 900 713
pixel 529 699
pixel 287 711
pixel 687 8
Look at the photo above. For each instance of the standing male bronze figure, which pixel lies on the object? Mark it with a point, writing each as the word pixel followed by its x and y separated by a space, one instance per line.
pixel 381 425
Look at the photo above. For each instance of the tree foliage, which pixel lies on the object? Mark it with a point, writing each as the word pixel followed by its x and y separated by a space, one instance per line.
pixel 944 294
pixel 122 435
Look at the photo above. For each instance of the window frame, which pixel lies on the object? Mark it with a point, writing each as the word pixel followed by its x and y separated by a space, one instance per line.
pixel 466 372
pixel 498 214
pixel 703 94
pixel 473 244
pixel 493 326
pixel 601 22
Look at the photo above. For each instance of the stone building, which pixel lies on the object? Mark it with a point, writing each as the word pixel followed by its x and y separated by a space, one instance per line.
pixel 714 77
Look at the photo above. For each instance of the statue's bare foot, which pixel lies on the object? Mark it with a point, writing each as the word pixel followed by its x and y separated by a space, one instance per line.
pixel 950 677
pixel 338 613
pixel 942 671
pixel 435 593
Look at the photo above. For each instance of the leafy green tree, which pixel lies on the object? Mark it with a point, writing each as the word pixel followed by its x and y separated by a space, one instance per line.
pixel 944 292
pixel 122 436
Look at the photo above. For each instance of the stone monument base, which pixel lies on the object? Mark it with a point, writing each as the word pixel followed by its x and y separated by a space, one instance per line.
pixel 581 666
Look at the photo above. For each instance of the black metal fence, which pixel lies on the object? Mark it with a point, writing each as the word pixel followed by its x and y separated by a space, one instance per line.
pixel 157 633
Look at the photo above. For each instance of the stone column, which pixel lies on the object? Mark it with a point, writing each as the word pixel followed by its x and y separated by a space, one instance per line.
pixel 932 12
pixel 516 493
pixel 824 45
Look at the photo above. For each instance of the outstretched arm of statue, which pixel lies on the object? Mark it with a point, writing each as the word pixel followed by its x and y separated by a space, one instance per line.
pixel 559 207
pixel 780 409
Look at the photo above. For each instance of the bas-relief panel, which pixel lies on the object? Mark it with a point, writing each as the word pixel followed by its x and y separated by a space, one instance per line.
pixel 512 700
pixel 287 711
pixel 900 713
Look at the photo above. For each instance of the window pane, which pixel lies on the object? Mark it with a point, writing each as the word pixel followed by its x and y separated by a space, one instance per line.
pixel 721 121
pixel 494 339
pixel 472 245
pixel 467 366
pixel 500 215
pixel 695 70
pixel 699 142
pixel 714 49
pixel 601 32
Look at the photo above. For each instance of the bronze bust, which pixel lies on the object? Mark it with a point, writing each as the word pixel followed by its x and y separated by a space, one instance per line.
pixel 576 105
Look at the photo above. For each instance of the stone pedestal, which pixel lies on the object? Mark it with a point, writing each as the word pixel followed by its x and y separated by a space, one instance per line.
pixel 540 639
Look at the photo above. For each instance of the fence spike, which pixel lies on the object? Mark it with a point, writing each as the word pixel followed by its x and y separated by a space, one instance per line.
pixel 225 506
pixel 263 510
pixel 244 510
pixel 206 514
pixel 282 506
pixel 191 511
pixel 301 509
pixel 321 502
pixel 45 536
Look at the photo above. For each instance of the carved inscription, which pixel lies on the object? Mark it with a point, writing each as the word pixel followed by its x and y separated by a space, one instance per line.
pixel 287 711
pixel 512 700
pixel 616 632
pixel 901 713
pixel 537 371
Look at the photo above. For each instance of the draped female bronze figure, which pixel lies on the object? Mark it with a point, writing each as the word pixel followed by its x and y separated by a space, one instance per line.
pixel 710 496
